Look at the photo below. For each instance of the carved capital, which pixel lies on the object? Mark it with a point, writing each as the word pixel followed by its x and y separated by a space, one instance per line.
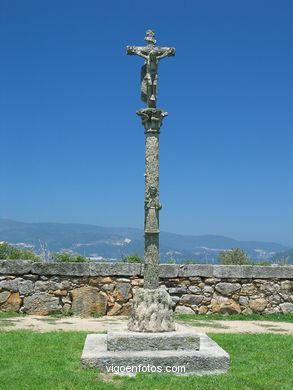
pixel 152 118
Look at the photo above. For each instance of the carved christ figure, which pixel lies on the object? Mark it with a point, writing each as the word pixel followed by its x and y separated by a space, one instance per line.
pixel 149 71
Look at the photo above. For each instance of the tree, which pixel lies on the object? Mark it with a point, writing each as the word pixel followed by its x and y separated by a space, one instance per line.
pixel 233 256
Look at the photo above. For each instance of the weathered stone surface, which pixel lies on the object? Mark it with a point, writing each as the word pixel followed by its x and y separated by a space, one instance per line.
pixel 286 307
pixel 268 288
pixel 88 301
pixel 49 285
pixel 10 284
pixel 119 338
pixel 104 280
pixel 258 304
pixel 184 310
pixel 276 298
pixel 243 300
pixel 152 311
pixel 208 290
pixel 41 303
pixel 168 270
pixel 108 287
pixel 247 311
pixel 13 303
pixel 25 287
pixel 248 289
pixel 106 269
pixel 191 299
pixel 4 296
pixel 75 269
pixel 271 310
pixel 60 293
pixel 31 277
pixel 287 285
pixel 196 270
pixel 15 267
pixel 210 359
pixel 275 291
pixel 114 309
pixel 195 279
pixel 177 290
pixel 225 305
pixel 227 288
pixel 126 309
pixel 122 292
pixel 137 282
pixel 202 310
pixel 195 290
pixel 65 285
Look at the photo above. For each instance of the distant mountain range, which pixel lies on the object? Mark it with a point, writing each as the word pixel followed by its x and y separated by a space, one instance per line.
pixel 113 243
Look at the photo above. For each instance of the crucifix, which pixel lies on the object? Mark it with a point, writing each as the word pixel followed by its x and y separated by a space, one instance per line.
pixel 152 304
pixel 149 71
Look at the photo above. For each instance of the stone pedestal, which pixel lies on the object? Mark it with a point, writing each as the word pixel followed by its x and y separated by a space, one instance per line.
pixel 151 311
pixel 183 350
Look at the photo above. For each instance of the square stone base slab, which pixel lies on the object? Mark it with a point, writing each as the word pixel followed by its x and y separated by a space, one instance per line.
pixel 119 338
pixel 210 359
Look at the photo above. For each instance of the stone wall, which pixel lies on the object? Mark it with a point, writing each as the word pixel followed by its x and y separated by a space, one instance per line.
pixel 107 288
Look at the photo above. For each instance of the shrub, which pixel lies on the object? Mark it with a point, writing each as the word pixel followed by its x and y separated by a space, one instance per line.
pixel 9 252
pixel 64 257
pixel 135 258
pixel 233 256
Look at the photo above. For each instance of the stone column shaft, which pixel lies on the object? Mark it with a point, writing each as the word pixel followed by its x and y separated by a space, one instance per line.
pixel 152 121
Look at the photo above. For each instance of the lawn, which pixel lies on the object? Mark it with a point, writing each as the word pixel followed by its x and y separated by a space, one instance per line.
pixel 42 361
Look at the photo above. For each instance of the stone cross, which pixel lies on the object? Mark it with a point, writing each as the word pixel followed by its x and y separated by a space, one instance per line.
pixel 149 71
pixel 152 306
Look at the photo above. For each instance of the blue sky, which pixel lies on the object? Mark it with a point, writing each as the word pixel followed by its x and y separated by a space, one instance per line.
pixel 72 148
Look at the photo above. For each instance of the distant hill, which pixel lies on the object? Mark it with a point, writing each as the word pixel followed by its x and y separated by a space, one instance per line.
pixel 283 257
pixel 113 243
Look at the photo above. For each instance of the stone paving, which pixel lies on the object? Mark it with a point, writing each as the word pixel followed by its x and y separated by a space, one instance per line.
pixel 50 324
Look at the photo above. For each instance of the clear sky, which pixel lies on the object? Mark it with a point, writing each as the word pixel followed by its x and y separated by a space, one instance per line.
pixel 72 148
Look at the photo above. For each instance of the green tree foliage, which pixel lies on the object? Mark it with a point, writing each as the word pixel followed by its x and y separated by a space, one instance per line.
pixel 233 257
pixel 9 252
pixel 64 257
pixel 135 258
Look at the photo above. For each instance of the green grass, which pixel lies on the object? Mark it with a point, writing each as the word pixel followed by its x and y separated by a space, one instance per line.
pixel 205 324
pixel 238 317
pixel 50 361
pixel 183 317
pixel 8 314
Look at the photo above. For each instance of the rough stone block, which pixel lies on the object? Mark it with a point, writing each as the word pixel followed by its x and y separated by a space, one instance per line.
pixel 41 304
pixel 168 270
pixel 119 338
pixel 286 307
pixel 183 310
pixel 106 269
pixel 202 270
pixel 227 288
pixel 15 267
pixel 87 301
